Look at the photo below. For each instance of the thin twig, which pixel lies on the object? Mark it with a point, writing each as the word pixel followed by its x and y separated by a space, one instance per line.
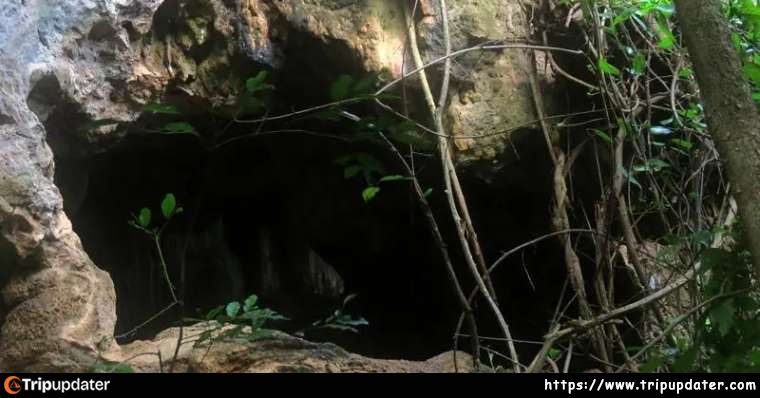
pixel 581 325
pixel 149 320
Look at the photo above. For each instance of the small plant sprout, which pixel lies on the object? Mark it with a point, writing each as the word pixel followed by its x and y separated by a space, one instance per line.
pixel 142 221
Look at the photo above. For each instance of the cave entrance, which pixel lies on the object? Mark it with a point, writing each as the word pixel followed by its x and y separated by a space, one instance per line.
pixel 271 215
pixel 274 215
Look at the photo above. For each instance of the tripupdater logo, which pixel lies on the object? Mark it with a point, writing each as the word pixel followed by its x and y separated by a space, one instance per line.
pixel 12 385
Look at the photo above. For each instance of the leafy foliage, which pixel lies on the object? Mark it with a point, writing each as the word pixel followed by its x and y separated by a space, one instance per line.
pixel 258 83
pixel 608 68
pixel 365 165
pixel 346 87
pixel 103 366
pixel 179 128
pixel 670 150
pixel 165 109
pixel 340 319
pixel 744 16
pixel 727 330
pixel 236 320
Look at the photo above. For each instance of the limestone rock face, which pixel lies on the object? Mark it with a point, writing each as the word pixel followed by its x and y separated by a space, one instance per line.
pixel 73 71
pixel 491 94
pixel 59 304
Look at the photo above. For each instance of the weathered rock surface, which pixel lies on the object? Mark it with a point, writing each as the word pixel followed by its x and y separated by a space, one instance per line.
pixel 60 304
pixel 281 353
pixel 67 65
pixel 492 95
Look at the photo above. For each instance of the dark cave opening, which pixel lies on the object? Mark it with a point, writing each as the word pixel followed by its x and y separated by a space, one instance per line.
pixel 281 200
pixel 282 196
pixel 286 193
pixel 279 204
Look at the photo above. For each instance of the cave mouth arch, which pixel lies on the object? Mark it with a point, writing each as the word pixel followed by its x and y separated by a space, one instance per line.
pixel 287 195
pixel 283 194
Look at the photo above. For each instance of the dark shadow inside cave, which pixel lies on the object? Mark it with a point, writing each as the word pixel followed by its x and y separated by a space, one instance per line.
pixel 274 215
pixel 283 197
pixel 279 194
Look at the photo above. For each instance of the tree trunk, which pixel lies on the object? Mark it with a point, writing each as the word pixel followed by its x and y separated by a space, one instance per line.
pixel 731 113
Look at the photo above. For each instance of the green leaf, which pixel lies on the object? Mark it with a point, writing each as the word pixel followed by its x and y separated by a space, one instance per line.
pixel 344 319
pixel 352 171
pixel 703 237
pixel 168 205
pixel 427 192
pixel 723 315
pixel 657 164
pixel 660 130
pixel 667 40
pixel 394 178
pixel 652 165
pixel 736 40
pixel 369 193
pixel 685 73
pixel 214 313
pixel 232 309
pixel 620 18
pixel 364 86
pixel 256 83
pixel 666 8
pixel 250 303
pixel 608 68
pixel 164 109
pixel 277 317
pixel 639 63
pixel 179 128
pixel 687 145
pixel 752 71
pixel 604 136
pixel 553 353
pixel 340 89
pixel 144 218
pixel 630 177
pixel 754 357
